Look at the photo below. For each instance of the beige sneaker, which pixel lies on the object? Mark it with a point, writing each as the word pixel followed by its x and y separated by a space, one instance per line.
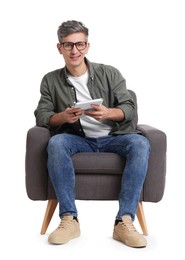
pixel 68 229
pixel 125 232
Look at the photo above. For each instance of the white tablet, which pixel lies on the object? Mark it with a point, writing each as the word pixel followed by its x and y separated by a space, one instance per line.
pixel 87 104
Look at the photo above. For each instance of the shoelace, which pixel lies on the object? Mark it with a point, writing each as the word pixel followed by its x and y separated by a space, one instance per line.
pixel 128 225
pixel 65 224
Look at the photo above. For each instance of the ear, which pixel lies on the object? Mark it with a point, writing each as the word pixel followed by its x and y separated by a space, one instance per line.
pixel 59 48
pixel 87 48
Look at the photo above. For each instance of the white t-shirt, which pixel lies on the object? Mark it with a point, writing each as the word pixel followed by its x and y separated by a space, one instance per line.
pixel 91 126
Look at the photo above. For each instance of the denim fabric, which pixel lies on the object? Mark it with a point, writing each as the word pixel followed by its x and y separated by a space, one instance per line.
pixel 134 147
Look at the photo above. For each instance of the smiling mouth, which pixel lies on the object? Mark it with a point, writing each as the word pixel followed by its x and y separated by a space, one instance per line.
pixel 74 57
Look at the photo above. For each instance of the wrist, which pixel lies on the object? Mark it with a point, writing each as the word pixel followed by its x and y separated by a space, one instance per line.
pixel 115 114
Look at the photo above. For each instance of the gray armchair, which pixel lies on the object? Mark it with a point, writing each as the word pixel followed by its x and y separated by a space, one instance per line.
pixel 98 176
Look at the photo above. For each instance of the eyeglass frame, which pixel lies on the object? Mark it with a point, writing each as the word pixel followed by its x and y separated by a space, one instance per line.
pixel 72 45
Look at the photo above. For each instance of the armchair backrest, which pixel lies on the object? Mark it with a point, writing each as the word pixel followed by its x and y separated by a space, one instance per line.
pixel 133 94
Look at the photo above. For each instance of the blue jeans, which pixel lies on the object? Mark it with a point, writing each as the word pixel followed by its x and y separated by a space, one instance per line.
pixel 134 147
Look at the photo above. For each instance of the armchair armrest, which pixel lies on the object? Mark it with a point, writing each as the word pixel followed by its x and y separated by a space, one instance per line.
pixel 154 135
pixel 156 174
pixel 36 162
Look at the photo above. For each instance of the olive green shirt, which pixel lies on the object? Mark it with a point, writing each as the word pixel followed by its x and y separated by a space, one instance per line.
pixel 104 82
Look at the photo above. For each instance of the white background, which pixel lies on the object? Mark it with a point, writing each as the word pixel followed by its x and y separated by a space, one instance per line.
pixel 145 40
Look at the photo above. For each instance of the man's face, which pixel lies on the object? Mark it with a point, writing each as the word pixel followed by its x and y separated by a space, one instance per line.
pixel 73 54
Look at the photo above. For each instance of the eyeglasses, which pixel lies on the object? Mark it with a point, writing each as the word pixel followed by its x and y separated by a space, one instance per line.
pixel 68 46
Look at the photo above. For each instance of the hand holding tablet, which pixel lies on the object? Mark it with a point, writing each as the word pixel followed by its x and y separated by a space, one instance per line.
pixel 84 105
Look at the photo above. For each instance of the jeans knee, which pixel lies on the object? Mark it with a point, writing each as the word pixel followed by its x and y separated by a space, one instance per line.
pixel 140 144
pixel 55 143
pixel 144 145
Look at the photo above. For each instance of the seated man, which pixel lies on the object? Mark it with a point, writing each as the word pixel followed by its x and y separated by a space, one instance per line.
pixel 108 127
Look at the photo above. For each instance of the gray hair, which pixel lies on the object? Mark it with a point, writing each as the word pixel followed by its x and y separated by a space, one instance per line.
pixel 72 26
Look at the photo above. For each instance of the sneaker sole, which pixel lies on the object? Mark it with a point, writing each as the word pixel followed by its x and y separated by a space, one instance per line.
pixel 61 241
pixel 116 237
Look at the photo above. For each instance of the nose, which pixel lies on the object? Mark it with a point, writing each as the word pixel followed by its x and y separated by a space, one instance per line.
pixel 74 49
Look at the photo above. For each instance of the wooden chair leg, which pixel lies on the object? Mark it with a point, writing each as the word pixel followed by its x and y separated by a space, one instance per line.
pixel 141 218
pixel 51 206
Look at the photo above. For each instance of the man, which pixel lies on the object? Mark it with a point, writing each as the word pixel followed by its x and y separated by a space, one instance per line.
pixel 108 127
